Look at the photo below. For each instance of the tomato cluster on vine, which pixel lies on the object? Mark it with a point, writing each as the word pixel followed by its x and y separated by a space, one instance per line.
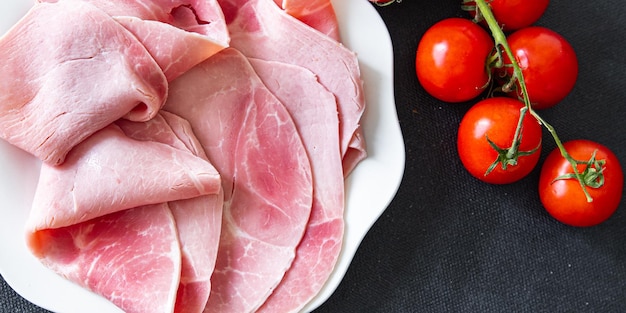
pixel 512 68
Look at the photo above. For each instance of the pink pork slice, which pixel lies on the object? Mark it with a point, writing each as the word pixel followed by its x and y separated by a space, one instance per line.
pixel 203 17
pixel 314 111
pixel 178 34
pixel 52 95
pixel 175 50
pixel 110 218
pixel 111 172
pixel 260 29
pixel 318 14
pixel 250 138
pixel 198 220
pixel 131 257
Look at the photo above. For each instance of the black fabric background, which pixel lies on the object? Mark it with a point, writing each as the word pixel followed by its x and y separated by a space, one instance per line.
pixel 448 243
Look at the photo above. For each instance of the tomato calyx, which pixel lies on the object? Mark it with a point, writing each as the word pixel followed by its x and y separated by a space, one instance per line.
pixel 592 176
pixel 509 156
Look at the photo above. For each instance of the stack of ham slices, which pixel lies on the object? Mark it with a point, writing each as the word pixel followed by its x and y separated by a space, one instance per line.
pixel 193 151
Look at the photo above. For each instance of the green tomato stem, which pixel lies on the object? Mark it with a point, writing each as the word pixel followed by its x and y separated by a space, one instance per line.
pixel 503 46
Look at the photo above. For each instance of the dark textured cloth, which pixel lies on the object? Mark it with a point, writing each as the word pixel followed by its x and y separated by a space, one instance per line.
pixel 449 243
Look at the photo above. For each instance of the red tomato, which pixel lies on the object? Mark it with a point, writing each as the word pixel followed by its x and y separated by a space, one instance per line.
pixel 564 198
pixel 516 14
pixel 548 63
pixel 497 118
pixel 450 60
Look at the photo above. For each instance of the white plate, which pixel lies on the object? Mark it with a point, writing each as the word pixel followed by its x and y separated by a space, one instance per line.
pixel 370 187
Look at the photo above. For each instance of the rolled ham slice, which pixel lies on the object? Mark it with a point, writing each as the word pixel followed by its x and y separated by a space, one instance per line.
pixel 52 91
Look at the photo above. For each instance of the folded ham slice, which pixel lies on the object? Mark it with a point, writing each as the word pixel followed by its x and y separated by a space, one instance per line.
pixel 198 220
pixel 260 29
pixel 134 214
pixel 175 50
pixel 199 16
pixel 250 138
pixel 69 193
pixel 319 14
pixel 314 111
pixel 178 33
pixel 52 95
pixel 131 257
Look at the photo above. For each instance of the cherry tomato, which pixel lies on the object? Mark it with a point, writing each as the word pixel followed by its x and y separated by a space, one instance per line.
pixel 548 63
pixel 496 119
pixel 515 14
pixel 564 198
pixel 450 60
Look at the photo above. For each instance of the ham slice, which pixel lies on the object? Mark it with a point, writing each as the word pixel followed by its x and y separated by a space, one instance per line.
pixel 175 50
pixel 250 138
pixel 129 173
pixel 198 220
pixel 119 229
pixel 115 256
pixel 56 97
pixel 319 14
pixel 314 111
pixel 260 29
pixel 203 17
pixel 179 34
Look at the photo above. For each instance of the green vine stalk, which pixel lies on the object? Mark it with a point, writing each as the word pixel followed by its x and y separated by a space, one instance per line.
pixel 501 46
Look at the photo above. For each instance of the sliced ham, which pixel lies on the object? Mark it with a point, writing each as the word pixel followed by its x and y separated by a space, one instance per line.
pixel 198 220
pixel 179 34
pixel 130 257
pixel 260 29
pixel 175 50
pixel 250 138
pixel 227 197
pixel 134 214
pixel 111 172
pixel 314 111
pixel 319 14
pixel 199 16
pixel 56 97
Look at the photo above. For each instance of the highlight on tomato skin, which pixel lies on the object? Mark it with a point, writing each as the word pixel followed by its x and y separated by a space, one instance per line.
pixel 564 199
pixel 496 119
pixel 450 60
